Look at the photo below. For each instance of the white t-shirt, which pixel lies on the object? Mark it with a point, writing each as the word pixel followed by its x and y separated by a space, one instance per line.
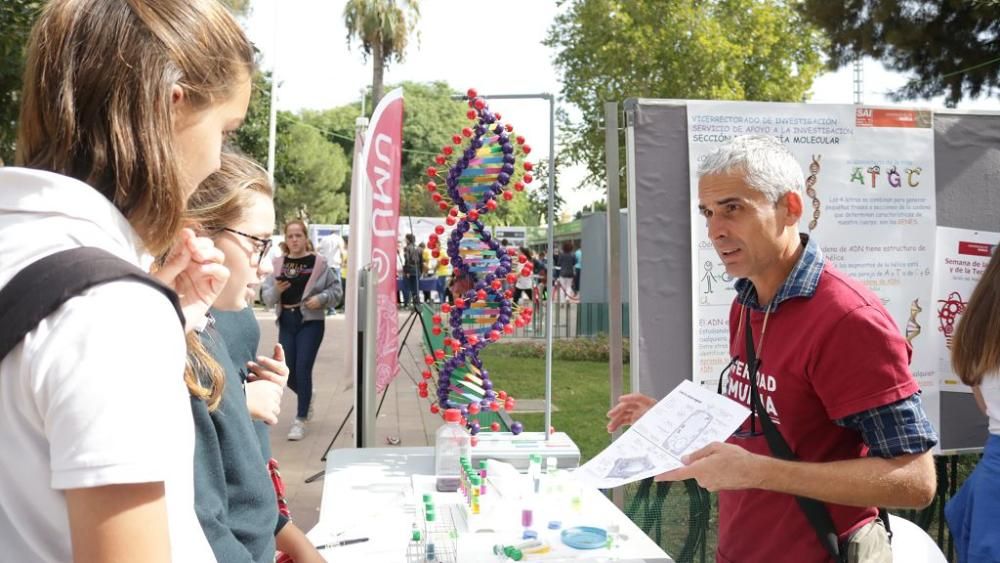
pixel 95 394
pixel 330 247
pixel 990 388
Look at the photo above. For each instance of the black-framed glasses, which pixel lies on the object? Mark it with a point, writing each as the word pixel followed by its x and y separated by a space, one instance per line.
pixel 755 429
pixel 262 245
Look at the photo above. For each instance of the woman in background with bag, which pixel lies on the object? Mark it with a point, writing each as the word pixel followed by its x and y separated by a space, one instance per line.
pixel 300 289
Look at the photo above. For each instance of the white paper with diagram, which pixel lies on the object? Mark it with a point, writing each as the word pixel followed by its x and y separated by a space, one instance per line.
pixel 687 419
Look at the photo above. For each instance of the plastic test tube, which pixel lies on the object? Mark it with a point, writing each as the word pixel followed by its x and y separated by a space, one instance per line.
pixel 482 476
pixel 475 494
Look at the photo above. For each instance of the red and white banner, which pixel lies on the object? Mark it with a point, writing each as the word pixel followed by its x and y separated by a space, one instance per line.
pixel 383 162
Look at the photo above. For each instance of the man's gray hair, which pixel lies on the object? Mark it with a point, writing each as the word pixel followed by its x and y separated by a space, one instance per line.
pixel 766 165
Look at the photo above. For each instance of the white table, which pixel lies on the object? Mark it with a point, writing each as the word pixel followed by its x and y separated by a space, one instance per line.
pixel 370 493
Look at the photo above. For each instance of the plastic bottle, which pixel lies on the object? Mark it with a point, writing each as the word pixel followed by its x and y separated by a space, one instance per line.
pixel 451 443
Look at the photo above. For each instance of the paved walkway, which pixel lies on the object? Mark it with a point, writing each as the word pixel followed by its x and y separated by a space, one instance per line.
pixel 404 415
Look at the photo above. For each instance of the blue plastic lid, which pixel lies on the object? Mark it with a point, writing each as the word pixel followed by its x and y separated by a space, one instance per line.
pixel 584 537
pixel 555 525
pixel 529 535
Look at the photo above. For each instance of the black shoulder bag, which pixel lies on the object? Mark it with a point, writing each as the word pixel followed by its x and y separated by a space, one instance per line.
pixel 44 285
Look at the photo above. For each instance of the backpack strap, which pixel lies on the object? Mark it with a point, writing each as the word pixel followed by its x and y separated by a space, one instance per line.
pixel 43 286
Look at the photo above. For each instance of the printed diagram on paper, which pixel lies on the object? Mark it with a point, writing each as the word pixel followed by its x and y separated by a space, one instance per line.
pixel 687 419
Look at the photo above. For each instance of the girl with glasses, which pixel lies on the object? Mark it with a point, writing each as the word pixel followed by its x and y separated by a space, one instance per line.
pixel 234 495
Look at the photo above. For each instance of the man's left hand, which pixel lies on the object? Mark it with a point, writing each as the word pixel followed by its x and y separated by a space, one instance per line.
pixel 719 467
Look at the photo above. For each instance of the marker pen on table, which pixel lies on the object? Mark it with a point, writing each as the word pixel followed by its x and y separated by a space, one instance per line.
pixel 342 542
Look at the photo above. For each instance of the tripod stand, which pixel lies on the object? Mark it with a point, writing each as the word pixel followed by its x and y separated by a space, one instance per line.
pixel 407 325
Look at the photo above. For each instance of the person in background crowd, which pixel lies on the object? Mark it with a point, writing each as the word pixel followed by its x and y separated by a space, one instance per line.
pixel 123 112
pixel 567 264
pixel 443 272
pixel 331 248
pixel 343 275
pixel 973 513
pixel 428 269
pixel 578 259
pixel 542 271
pixel 833 373
pixel 524 284
pixel 412 266
pixel 300 289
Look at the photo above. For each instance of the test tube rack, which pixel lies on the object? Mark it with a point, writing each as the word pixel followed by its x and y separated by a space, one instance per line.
pixel 441 533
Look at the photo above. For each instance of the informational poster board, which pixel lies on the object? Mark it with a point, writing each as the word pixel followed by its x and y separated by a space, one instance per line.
pixel 869 202
pixel 318 232
pixel 515 236
pixel 962 256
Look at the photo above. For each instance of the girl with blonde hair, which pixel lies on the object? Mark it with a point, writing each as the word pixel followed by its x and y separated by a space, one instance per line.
pixel 124 107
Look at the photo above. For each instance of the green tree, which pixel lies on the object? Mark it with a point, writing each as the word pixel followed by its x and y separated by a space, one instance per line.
pixel 383 28
pixel 951 47
pixel 238 7
pixel 538 195
pixel 310 174
pixel 593 207
pixel 609 50
pixel 16 18
pixel 251 137
pixel 430 119
pixel 336 124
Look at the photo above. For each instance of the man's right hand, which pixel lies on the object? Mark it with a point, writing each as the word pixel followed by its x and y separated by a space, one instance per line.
pixel 629 409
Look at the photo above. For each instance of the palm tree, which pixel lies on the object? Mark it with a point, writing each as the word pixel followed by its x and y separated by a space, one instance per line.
pixel 382 27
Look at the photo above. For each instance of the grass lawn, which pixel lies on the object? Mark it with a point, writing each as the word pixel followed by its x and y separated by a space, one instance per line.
pixel 580 390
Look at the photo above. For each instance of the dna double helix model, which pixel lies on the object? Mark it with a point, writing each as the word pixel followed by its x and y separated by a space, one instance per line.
pixel 485 162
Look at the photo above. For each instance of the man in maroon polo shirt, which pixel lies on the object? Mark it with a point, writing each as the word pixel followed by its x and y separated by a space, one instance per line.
pixel 833 377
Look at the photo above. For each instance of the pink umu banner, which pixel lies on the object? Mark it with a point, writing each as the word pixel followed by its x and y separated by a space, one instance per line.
pixel 383 145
